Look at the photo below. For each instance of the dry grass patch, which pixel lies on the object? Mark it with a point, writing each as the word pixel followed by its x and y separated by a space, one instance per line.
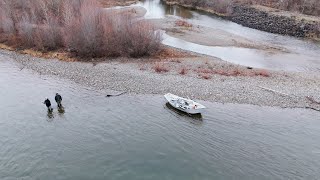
pixel 167 53
pixel 204 70
pixel 160 67
pixel 183 71
pixel 232 72
pixel 262 72
pixel 142 67
pixel 6 47
pixel 183 23
pixel 205 76
pixel 175 61
pixel 49 55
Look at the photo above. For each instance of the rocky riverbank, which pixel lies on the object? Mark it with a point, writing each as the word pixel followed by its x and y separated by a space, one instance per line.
pixel 197 77
pixel 267 19
pixel 270 20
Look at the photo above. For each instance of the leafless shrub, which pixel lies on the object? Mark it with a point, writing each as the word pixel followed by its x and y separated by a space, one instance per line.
pixel 26 32
pixel 234 72
pixel 204 70
pixel 97 34
pixel 183 23
pixel 49 36
pixel 137 38
pixel 79 25
pixel 317 28
pixel 205 76
pixel 6 21
pixel 183 71
pixel 160 67
pixel 263 73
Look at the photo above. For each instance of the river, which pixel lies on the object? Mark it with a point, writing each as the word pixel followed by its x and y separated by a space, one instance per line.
pixel 139 137
pixel 302 55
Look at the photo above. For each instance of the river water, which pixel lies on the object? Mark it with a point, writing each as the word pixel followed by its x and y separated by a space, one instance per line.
pixel 139 137
pixel 302 55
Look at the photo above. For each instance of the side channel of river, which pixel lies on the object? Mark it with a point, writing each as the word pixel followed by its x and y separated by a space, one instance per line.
pixel 302 55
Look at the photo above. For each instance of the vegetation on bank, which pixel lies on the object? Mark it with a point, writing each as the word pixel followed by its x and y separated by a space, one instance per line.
pixel 309 7
pixel 80 27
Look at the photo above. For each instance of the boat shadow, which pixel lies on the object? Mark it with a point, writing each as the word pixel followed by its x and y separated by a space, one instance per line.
pixel 197 117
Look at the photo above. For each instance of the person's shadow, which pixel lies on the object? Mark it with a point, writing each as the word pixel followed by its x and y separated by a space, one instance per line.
pixel 61 110
pixel 50 115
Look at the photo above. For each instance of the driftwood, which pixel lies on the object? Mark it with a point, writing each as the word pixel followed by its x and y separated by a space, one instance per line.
pixel 274 91
pixel 112 95
pixel 313 109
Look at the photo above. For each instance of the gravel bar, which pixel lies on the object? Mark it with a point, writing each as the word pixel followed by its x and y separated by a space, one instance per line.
pixel 281 89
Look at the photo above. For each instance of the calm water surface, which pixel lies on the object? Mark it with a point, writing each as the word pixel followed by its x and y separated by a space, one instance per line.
pixel 303 55
pixel 138 137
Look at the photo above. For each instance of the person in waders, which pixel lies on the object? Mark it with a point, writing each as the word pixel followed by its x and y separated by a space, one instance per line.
pixel 58 99
pixel 48 104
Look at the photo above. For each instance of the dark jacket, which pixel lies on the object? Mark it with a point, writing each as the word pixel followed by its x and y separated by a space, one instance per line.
pixel 47 102
pixel 58 98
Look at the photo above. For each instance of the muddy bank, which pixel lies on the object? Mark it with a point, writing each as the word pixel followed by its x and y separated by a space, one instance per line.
pixel 203 78
pixel 266 19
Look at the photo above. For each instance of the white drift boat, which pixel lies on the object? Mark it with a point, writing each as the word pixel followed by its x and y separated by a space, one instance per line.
pixel 185 105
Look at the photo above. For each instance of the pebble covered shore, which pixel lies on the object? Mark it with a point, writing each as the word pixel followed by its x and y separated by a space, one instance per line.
pixel 288 90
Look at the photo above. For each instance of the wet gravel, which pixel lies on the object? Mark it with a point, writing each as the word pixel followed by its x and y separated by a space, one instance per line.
pixel 289 89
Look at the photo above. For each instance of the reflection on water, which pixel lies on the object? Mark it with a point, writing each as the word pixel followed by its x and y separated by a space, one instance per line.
pixel 139 137
pixel 303 56
pixel 179 11
pixel 158 9
pixel 50 114
pixel 194 118
pixel 61 111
